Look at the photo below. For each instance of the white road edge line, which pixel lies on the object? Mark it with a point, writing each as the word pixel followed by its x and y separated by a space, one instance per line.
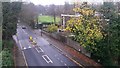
pixel 57 48
pixel 25 59
pixel 61 61
pixel 20 45
pixel 23 55
pixel 65 64
pixel 46 59
pixel 68 57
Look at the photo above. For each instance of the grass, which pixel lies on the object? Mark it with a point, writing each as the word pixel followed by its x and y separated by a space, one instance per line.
pixel 50 19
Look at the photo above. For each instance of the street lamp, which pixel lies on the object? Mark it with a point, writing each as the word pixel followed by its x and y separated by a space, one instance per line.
pixel 98 60
pixel 108 32
pixel 41 31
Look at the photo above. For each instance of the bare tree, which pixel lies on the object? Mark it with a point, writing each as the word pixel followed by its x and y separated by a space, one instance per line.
pixel 29 13
pixel 52 11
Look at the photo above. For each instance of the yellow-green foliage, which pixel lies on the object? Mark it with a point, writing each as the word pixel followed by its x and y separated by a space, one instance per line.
pixel 85 27
pixel 52 28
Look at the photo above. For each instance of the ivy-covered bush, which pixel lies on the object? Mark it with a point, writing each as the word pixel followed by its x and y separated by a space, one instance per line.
pixel 52 28
pixel 7 58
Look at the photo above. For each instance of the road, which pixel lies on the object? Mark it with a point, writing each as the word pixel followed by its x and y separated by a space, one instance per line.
pixel 42 54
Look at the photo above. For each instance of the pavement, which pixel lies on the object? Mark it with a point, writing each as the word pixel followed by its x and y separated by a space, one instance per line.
pixel 18 57
pixel 42 54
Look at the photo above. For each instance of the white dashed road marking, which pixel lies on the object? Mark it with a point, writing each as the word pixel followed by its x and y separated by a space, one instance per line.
pixel 55 55
pixel 25 32
pixel 41 49
pixel 29 47
pixel 58 58
pixel 65 64
pixel 24 48
pixel 61 61
pixel 37 50
pixel 47 59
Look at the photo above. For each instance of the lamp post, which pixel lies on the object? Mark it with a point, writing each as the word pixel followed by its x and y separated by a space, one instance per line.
pixel 108 28
pixel 41 31
pixel 108 23
pixel 37 20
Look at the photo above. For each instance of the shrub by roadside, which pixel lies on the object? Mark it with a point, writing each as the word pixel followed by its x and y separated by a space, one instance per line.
pixel 0 45
pixel 7 57
pixel 7 53
pixel 52 28
pixel 0 59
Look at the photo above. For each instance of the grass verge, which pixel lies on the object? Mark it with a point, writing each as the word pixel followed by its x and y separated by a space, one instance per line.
pixel 48 19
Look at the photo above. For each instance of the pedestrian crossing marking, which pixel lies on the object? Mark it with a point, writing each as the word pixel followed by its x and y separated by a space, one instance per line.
pixel 24 48
pixel 27 47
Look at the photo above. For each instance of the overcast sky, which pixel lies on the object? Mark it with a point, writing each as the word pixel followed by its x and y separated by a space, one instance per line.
pixel 61 2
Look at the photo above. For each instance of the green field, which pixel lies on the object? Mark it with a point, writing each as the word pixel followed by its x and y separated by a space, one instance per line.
pixel 48 19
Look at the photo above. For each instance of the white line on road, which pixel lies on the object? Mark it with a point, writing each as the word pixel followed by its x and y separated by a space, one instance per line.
pixel 25 32
pixel 55 55
pixel 61 61
pixel 25 48
pixel 29 47
pixel 58 58
pixel 37 50
pixel 41 49
pixel 25 59
pixel 57 48
pixel 20 44
pixel 47 58
pixel 35 38
pixel 23 54
pixel 28 35
pixel 65 64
